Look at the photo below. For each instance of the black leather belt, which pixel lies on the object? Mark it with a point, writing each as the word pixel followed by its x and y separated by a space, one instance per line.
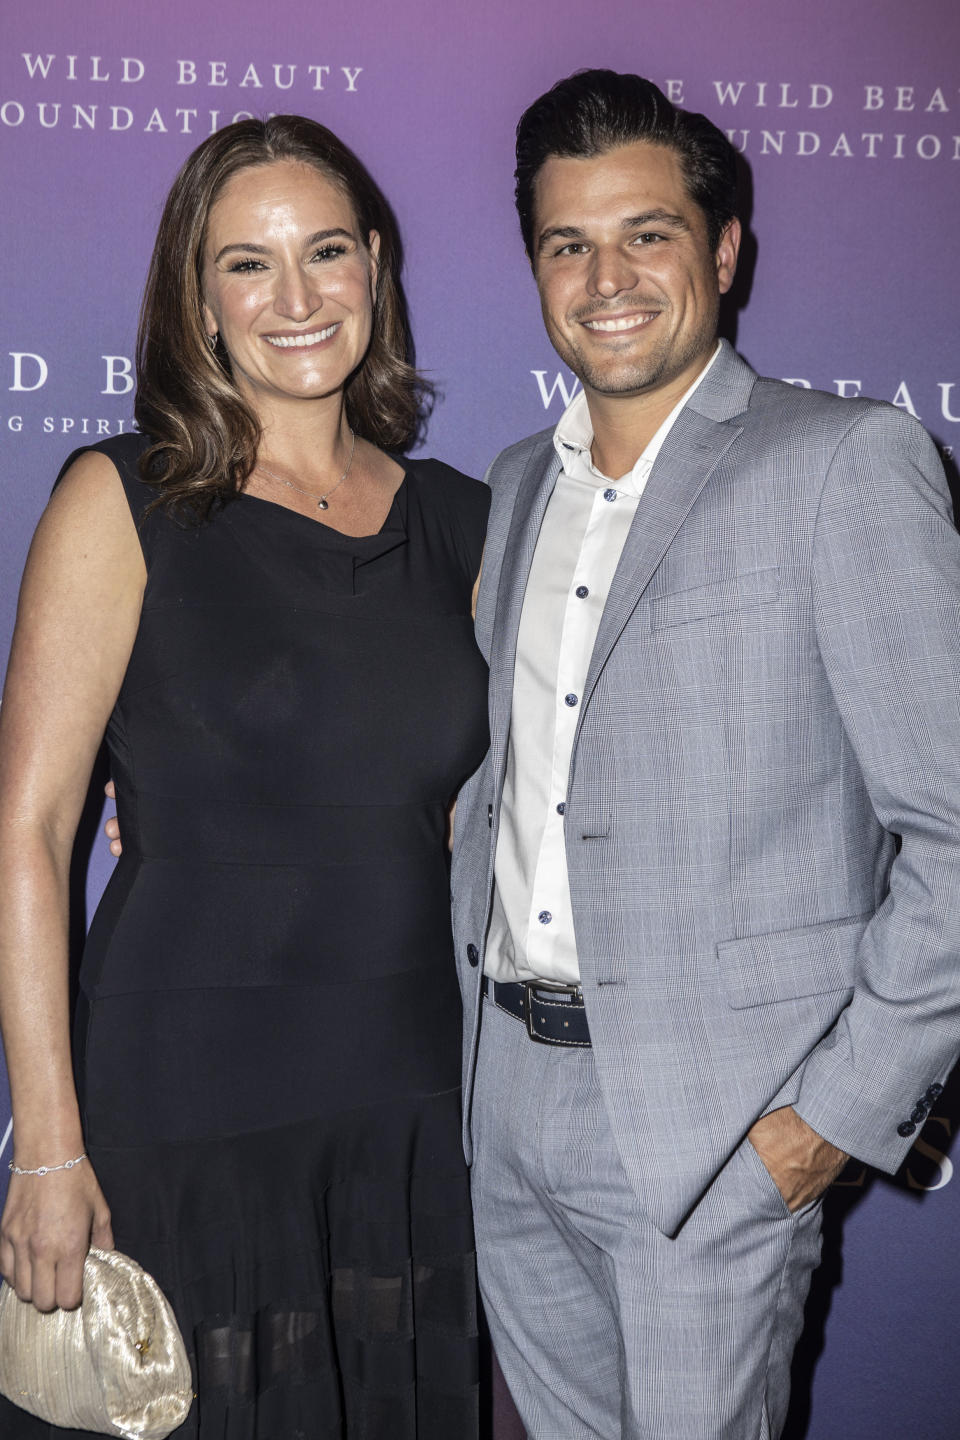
pixel 553 1014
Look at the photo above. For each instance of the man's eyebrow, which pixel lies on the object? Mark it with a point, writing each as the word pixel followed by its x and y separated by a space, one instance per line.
pixel 632 222
pixel 248 248
pixel 559 232
pixel 655 217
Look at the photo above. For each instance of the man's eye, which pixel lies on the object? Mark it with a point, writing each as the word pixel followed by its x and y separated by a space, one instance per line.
pixel 647 237
pixel 574 248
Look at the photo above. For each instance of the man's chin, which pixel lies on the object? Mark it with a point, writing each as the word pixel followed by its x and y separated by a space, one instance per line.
pixel 623 382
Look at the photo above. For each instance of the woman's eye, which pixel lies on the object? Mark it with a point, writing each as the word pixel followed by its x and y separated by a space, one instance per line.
pixel 329 252
pixel 245 267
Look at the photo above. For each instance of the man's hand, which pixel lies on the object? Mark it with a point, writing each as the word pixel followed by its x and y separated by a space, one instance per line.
pixel 111 828
pixel 801 1163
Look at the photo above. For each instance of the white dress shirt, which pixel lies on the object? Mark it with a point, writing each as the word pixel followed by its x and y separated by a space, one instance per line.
pixel 578 549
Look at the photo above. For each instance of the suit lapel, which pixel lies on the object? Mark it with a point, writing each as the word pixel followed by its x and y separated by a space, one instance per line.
pixel 704 430
pixel 533 494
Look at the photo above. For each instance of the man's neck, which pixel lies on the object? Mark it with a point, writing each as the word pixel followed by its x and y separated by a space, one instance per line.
pixel 624 425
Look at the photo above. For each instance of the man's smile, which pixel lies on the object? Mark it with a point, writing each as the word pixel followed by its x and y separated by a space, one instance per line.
pixel 620 324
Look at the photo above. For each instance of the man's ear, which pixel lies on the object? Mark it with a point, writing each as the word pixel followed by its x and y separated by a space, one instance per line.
pixel 728 250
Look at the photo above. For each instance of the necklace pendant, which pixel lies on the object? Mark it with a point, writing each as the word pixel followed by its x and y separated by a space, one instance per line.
pixel 322 503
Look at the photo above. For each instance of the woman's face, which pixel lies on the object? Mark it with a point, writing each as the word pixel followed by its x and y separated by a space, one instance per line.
pixel 288 283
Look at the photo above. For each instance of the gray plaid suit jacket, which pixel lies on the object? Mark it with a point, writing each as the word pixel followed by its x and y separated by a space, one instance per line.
pixel 763 812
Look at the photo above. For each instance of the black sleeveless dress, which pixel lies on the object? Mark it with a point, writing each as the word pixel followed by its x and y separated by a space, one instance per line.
pixel 268 1037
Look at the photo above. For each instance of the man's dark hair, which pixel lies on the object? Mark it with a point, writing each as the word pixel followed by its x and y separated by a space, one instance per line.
pixel 594 111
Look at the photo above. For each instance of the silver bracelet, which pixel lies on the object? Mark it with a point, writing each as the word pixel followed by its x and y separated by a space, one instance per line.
pixel 47 1169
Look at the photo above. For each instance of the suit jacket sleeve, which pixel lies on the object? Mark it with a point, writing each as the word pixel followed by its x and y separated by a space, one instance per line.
pixel 886 594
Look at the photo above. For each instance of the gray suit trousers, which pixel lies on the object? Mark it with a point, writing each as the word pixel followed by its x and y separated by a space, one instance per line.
pixel 604 1326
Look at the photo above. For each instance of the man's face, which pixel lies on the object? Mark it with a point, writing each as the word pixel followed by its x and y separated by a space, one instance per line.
pixel 629 286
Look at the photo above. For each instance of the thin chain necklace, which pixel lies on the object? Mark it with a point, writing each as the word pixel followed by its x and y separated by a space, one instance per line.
pixel 323 501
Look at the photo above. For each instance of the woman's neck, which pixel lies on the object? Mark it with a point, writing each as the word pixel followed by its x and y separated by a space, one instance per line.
pixel 311 439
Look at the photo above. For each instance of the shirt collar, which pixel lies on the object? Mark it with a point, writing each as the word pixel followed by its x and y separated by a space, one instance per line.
pixel 573 438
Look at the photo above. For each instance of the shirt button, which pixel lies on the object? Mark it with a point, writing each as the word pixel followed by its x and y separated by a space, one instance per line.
pixel 609 494
pixel 544 917
pixel 570 699
pixel 561 807
pixel 581 592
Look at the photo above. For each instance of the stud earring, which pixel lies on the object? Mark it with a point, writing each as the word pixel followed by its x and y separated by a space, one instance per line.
pixel 212 340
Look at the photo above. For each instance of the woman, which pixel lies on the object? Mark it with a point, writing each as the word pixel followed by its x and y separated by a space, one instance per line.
pixel 270 617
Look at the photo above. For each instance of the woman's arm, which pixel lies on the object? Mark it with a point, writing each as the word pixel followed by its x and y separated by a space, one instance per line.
pixel 452 813
pixel 476 588
pixel 76 621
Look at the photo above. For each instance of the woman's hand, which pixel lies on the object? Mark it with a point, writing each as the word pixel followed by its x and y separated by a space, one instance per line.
pixel 49 1223
pixel 111 827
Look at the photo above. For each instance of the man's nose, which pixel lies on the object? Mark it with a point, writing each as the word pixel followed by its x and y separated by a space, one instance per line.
pixel 611 272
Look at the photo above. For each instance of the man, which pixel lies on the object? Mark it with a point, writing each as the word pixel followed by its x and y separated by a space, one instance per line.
pixel 704 885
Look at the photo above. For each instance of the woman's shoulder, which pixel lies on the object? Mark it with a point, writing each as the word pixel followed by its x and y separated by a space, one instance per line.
pixel 460 503
pixel 457 492
pixel 124 452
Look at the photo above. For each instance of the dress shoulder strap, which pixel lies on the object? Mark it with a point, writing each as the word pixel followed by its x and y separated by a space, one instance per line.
pixel 124 451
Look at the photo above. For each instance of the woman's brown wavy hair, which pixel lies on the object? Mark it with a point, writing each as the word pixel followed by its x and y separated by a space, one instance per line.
pixel 205 435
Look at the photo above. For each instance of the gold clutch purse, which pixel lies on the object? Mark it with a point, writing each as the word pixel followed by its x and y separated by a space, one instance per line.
pixel 116 1365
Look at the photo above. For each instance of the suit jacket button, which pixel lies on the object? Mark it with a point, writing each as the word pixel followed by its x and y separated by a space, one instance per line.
pixel 919 1113
pixel 906 1128
pixel 933 1093
pixel 473 954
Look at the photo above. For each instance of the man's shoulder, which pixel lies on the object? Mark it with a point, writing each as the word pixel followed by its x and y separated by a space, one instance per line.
pixel 514 459
pixel 808 435
pixel 794 408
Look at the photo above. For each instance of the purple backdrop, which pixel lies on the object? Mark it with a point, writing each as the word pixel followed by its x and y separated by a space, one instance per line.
pixel 848 118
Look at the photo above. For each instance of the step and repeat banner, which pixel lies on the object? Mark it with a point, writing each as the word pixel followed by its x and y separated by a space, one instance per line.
pixel 847 117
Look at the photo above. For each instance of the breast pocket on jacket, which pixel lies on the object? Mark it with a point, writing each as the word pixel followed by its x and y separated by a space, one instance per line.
pixel 701 602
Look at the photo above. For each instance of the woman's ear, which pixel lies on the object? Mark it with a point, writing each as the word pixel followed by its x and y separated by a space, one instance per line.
pixel 373 245
pixel 211 328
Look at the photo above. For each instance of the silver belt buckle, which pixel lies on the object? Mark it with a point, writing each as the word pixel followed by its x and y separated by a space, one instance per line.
pixel 528 988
